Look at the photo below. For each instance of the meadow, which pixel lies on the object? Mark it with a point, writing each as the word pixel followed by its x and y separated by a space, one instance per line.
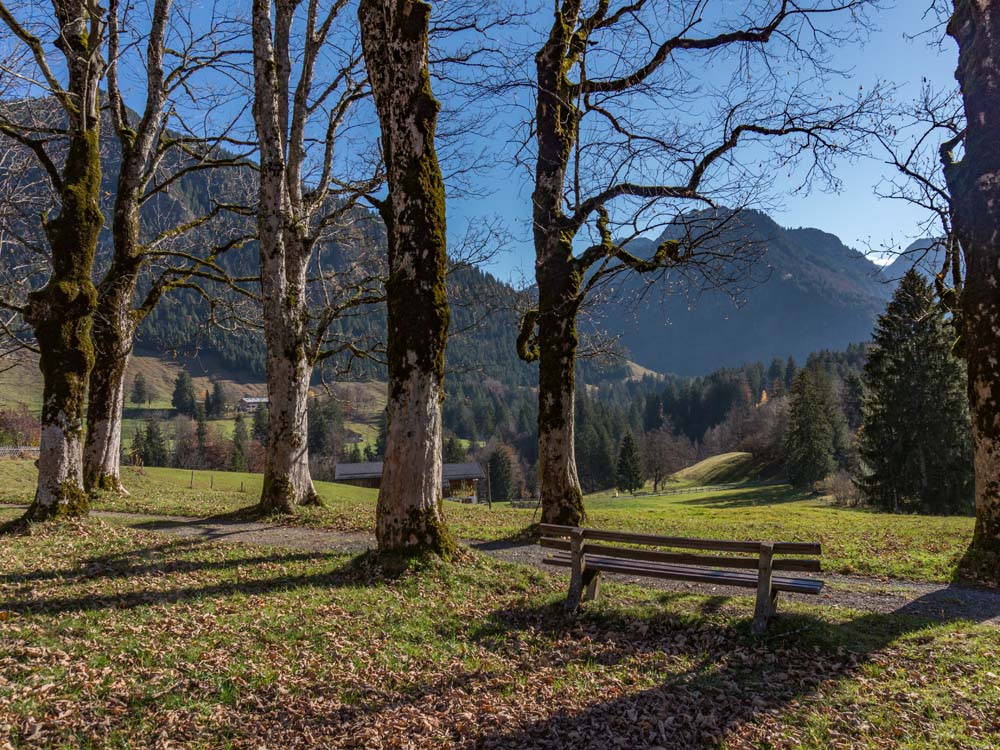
pixel 112 637
pixel 855 541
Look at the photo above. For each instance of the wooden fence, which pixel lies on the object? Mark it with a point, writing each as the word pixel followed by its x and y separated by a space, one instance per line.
pixel 18 451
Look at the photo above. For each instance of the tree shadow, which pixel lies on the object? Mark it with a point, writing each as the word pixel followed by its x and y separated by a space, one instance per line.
pixel 725 678
pixel 135 563
pixel 764 495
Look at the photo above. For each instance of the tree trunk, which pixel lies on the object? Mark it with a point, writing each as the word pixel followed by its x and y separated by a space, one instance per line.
pixel 558 282
pixel 409 516
pixel 974 184
pixel 287 481
pixel 61 315
pixel 558 290
pixel 283 260
pixel 113 337
pixel 106 399
pixel 116 321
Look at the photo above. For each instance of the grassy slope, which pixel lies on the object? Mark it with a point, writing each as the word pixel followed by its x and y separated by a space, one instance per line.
pixel 362 401
pixel 854 541
pixel 113 638
pixel 725 468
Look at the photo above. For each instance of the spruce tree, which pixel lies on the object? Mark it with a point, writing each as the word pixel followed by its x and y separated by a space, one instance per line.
pixel 140 392
pixel 453 452
pixel 629 470
pixel 183 399
pixel 501 475
pixel 916 443
pixel 259 430
pixel 219 404
pixel 154 445
pixel 241 445
pixel 201 432
pixel 810 441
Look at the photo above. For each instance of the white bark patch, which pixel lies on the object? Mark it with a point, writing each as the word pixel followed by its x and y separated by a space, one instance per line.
pixel 411 476
pixel 60 460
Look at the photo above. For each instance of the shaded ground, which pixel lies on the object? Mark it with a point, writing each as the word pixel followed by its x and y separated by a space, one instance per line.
pixel 112 637
pixel 938 601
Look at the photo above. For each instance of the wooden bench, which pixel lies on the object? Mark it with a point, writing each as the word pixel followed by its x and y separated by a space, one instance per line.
pixel 581 551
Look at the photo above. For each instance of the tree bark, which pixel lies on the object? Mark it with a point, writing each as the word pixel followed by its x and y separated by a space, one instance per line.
pixel 106 398
pixel 558 280
pixel 409 515
pixel 558 291
pixel 974 183
pixel 113 337
pixel 283 264
pixel 115 321
pixel 61 312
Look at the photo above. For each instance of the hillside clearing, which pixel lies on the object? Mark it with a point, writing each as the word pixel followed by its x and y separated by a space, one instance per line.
pixel 855 542
pixel 725 468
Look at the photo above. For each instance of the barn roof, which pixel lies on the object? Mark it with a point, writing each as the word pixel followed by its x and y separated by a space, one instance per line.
pixel 373 470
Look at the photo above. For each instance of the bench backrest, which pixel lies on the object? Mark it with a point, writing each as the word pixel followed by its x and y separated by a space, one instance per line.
pixel 587 540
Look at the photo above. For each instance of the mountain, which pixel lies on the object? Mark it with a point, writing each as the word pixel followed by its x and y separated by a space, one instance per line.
pixel 925 255
pixel 805 291
pixel 801 290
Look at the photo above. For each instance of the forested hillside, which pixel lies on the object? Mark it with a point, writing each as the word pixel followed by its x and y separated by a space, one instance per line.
pixel 798 291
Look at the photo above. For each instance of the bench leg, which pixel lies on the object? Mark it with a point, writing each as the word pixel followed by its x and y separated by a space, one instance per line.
pixel 766 596
pixel 576 572
pixel 592 581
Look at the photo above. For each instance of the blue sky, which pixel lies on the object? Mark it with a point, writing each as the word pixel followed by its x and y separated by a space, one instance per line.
pixel 854 214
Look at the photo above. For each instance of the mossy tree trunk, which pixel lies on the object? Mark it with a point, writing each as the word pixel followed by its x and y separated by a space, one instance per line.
pixel 558 280
pixel 61 312
pixel 113 337
pixel 558 295
pixel 575 186
pixel 116 318
pixel 974 183
pixel 409 515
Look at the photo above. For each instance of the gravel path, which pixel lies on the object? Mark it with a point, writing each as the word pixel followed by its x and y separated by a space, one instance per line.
pixel 941 601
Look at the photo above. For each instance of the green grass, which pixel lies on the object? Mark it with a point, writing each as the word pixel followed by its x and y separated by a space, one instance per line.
pixel 854 541
pixel 725 468
pixel 114 638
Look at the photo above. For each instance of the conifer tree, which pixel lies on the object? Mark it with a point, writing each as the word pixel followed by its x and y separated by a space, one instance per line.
pixel 453 452
pixel 241 445
pixel 810 441
pixel 201 431
pixel 259 430
pixel 218 401
pixel 629 470
pixel 916 445
pixel 140 392
pixel 183 399
pixel 501 475
pixel 154 445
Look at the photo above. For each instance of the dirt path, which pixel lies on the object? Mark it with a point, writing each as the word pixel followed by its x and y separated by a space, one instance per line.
pixel 941 601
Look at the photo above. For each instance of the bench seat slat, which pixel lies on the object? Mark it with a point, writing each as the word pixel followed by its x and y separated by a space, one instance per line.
pixel 684 558
pixel 680 572
pixel 801 548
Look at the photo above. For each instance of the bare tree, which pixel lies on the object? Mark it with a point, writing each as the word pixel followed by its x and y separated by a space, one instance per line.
pixel 146 235
pixel 299 209
pixel 628 138
pixel 911 137
pixel 665 453
pixel 61 312
pixel 972 170
pixel 409 517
